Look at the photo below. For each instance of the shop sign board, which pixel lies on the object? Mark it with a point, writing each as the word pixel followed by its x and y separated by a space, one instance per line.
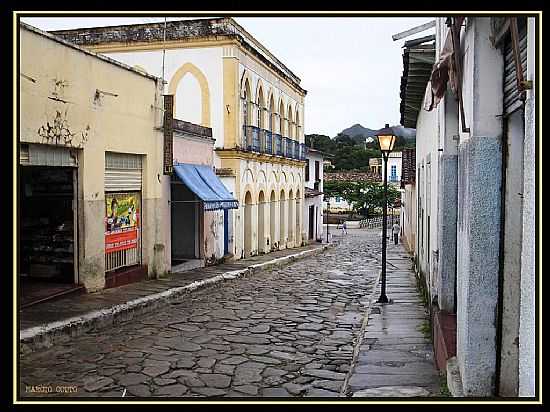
pixel 121 221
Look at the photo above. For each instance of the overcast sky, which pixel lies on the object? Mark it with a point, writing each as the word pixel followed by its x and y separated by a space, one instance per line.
pixel 350 66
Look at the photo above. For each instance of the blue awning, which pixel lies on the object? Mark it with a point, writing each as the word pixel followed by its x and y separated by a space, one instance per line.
pixel 202 181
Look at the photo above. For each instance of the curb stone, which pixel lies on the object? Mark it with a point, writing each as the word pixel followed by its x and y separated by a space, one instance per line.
pixel 48 335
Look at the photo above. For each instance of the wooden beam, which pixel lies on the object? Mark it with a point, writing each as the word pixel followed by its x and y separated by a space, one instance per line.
pixel 414 30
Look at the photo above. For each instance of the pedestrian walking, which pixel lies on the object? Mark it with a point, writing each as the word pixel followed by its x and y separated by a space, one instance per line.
pixel 344 228
pixel 395 231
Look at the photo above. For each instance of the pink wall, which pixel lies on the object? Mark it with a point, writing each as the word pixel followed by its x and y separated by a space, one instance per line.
pixel 193 151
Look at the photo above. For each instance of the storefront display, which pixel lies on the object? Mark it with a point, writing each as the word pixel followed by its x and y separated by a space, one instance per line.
pixel 47 228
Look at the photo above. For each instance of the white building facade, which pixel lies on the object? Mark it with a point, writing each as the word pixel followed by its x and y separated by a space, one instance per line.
pixel 394 168
pixel 475 203
pixel 224 79
pixel 313 210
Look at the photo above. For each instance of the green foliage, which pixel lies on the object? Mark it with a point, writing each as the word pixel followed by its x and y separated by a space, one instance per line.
pixel 363 196
pixel 351 153
pixel 321 142
pixel 426 330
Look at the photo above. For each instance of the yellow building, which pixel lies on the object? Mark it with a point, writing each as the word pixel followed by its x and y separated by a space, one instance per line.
pixel 90 164
pixel 223 78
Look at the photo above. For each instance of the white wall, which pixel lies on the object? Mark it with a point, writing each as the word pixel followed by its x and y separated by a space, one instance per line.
pixel 337 204
pixel 207 60
pixel 311 158
pixel 395 159
pixel 427 143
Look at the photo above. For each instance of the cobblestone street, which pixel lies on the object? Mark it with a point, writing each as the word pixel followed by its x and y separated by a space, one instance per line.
pixel 288 332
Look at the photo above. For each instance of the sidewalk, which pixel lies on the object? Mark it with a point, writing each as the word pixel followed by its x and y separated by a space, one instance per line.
pixel 48 323
pixel 395 357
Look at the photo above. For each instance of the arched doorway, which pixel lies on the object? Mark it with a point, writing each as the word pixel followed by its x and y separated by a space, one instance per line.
pixel 282 220
pixel 298 219
pixel 261 223
pixel 247 224
pixel 272 221
pixel 290 217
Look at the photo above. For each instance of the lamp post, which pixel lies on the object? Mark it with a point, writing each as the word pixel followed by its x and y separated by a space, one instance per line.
pixel 386 140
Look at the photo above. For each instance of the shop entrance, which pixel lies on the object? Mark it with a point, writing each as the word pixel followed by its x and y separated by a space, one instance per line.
pixel 186 224
pixel 47 232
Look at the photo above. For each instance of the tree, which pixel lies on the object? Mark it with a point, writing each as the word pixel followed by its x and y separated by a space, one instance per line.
pixel 320 142
pixel 363 196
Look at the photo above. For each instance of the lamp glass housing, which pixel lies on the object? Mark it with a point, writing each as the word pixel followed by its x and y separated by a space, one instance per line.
pixel 386 142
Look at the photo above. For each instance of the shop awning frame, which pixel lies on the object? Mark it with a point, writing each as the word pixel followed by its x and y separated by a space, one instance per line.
pixel 202 181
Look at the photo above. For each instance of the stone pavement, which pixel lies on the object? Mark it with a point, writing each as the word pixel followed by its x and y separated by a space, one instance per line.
pixel 293 331
pixel 289 331
pixel 48 323
pixel 395 357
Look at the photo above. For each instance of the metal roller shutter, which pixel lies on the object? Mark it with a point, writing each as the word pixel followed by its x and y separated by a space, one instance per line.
pixel 123 172
pixel 46 155
pixel 24 158
pixel 512 100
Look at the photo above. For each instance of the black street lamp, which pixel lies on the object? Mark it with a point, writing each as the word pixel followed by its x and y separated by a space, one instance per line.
pixel 386 140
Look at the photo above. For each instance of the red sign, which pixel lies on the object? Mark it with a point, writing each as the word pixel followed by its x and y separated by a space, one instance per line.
pixel 121 240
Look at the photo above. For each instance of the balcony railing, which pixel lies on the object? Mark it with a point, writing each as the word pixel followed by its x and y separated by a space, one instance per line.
pixel 278 144
pixel 246 142
pixel 255 139
pixel 268 142
pixel 303 151
pixel 259 140
pixel 287 147
pixel 251 138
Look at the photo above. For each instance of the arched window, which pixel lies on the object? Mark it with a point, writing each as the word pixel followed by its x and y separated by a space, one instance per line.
pixel 281 119
pixel 298 127
pixel 260 108
pixel 245 108
pixel 271 114
pixel 290 123
pixel 247 112
pixel 258 114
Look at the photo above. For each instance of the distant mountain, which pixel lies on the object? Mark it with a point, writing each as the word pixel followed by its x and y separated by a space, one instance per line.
pixel 359 133
pixel 358 130
pixel 406 132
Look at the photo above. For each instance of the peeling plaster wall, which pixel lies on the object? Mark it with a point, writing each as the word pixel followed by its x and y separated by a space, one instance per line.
pixel 65 87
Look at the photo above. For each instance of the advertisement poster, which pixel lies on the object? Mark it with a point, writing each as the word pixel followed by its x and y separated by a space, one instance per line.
pixel 121 221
